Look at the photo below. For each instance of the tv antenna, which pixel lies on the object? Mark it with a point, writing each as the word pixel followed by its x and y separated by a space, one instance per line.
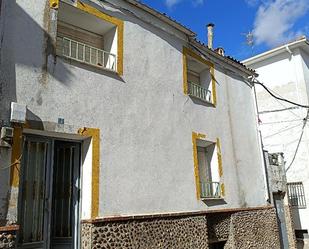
pixel 249 40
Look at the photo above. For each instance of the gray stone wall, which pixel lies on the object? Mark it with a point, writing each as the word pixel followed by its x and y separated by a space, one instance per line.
pixel 177 233
pixel 86 235
pixel 242 230
pixel 254 229
pixel 7 240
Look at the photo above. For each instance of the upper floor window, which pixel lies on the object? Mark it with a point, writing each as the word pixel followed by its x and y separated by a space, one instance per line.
pixel 89 36
pixel 198 77
pixel 296 194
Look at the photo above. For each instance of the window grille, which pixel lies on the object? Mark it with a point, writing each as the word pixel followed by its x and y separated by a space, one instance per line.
pixel 199 92
pixel 210 190
pixel 85 53
pixel 296 194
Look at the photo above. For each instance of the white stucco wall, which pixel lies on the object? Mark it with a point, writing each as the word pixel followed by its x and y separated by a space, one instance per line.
pixel 145 120
pixel 288 76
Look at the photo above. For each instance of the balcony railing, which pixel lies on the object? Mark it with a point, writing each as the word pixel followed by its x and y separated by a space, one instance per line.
pixel 210 190
pixel 87 54
pixel 197 91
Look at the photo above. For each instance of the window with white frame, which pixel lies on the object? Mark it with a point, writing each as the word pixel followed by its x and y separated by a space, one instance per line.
pixel 86 38
pixel 208 166
pixel 296 194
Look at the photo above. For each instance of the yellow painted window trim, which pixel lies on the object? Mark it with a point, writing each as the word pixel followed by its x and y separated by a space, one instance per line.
pixel 195 137
pixel 94 133
pixel 189 52
pixel 99 14
pixel 16 156
pixel 54 4
pixel 119 23
pixel 220 167
pixel 199 136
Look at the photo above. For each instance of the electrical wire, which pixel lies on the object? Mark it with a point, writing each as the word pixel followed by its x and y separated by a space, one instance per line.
pixel 281 103
pixel 13 164
pixel 282 121
pixel 17 161
pixel 292 103
pixel 299 141
pixel 279 98
pixel 279 110
pixel 282 130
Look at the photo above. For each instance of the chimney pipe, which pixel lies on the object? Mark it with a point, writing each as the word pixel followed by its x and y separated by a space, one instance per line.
pixel 210 34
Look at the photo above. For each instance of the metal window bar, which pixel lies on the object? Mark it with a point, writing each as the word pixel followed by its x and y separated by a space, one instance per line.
pixel 199 92
pixel 296 194
pixel 210 189
pixel 62 193
pixel 33 182
pixel 87 54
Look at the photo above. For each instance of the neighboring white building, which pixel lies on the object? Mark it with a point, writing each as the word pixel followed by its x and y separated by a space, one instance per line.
pixel 285 71
pixel 135 136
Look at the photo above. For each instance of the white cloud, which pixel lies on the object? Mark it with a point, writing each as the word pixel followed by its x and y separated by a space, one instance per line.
pixel 198 2
pixel 252 2
pixel 275 20
pixel 172 3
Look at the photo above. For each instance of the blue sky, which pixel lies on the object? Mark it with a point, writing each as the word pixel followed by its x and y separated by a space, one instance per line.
pixel 272 22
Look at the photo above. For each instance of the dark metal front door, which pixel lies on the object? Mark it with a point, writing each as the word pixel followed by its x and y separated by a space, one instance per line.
pixel 49 194
pixel 65 194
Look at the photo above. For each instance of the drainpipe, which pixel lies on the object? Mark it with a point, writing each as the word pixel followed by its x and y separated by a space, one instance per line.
pixel 264 153
pixel 287 48
pixel 210 34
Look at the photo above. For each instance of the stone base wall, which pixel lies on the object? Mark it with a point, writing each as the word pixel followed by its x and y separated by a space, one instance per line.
pixel 240 229
pixel 257 229
pixel 180 233
pixel 7 240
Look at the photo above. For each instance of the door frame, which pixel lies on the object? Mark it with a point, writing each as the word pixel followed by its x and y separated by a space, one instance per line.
pixel 51 137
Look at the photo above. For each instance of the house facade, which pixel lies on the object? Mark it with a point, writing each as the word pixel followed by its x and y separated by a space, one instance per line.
pixel 120 130
pixel 285 71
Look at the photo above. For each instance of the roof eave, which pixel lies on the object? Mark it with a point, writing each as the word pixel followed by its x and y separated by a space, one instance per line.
pixel 248 72
pixel 162 17
pixel 276 51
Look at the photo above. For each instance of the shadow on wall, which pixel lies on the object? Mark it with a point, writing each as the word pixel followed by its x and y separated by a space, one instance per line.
pixel 297 226
pixel 141 61
pixel 296 217
pixel 5 184
pixel 26 44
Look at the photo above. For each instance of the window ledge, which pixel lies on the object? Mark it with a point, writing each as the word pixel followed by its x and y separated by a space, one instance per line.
pixel 71 61
pixel 212 198
pixel 202 100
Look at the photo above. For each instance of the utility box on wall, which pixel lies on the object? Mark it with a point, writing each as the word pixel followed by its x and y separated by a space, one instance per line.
pixel 18 113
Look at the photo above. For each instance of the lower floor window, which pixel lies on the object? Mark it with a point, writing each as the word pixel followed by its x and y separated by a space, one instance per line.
pixel 209 163
pixel 296 194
